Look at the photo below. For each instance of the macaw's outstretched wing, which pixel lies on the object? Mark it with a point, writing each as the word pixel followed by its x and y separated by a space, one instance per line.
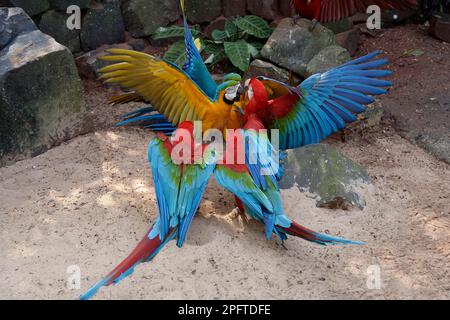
pixel 194 65
pixel 164 85
pixel 335 10
pixel 324 103
pixel 178 189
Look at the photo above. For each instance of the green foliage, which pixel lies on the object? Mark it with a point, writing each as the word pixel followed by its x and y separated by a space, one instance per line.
pixel 241 41
pixel 174 32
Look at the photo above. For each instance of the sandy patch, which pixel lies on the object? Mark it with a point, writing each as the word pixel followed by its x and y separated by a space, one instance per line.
pixel 89 201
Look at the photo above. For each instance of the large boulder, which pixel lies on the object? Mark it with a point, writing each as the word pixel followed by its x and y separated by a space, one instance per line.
pixel 32 7
pixel 102 25
pixel 292 46
pixel 13 22
pixel 41 100
pixel 326 59
pixel 143 17
pixel 198 11
pixel 335 180
pixel 54 24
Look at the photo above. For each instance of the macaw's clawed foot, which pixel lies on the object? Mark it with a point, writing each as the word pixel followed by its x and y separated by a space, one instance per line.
pixel 295 19
pixel 313 25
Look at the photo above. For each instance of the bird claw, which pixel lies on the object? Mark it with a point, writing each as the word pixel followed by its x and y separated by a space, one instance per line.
pixel 295 19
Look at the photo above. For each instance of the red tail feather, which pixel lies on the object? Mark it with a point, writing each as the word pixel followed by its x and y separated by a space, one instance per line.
pixel 300 231
pixel 141 253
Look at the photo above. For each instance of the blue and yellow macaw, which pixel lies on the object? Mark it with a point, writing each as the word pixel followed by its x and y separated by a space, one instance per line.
pixel 304 115
pixel 177 94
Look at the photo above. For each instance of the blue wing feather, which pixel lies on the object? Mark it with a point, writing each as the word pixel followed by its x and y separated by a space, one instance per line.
pixel 330 100
pixel 195 67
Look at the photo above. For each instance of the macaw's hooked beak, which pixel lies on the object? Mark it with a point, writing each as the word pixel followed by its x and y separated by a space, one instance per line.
pixel 239 109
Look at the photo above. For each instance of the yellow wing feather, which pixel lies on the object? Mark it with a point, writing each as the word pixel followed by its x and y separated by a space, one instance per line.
pixel 168 89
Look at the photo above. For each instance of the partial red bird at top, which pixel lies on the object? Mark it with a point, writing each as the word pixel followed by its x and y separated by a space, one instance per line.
pixel 335 10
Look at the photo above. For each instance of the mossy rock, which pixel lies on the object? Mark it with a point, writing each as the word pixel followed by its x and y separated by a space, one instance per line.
pixel 335 180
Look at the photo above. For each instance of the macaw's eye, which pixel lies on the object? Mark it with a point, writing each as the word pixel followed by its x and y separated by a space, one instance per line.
pixel 233 94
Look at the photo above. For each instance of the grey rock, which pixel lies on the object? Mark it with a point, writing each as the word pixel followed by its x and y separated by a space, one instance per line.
pixel 62 5
pixel 54 24
pixel 440 27
pixel 232 8
pixel 13 22
pixel 349 40
pixel 103 25
pixel 438 146
pixel 143 17
pixel 292 46
pixel 41 100
pixel 267 69
pixel 198 11
pixel 339 26
pixel 32 7
pixel 267 9
pixel 138 44
pixel 90 63
pixel 327 59
pixel 335 180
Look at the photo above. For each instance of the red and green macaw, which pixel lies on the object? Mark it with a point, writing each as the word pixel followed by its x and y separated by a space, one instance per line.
pixel 335 10
pixel 306 114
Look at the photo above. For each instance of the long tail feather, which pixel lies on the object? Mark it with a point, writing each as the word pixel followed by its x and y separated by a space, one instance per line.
pixel 302 232
pixel 144 252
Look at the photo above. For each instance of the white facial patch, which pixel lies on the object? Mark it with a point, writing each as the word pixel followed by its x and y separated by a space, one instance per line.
pixel 250 92
pixel 232 92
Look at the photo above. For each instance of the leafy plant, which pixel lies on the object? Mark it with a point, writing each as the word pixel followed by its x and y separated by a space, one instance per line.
pixel 241 41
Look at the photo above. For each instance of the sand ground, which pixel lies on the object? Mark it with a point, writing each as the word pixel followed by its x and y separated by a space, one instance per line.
pixel 88 202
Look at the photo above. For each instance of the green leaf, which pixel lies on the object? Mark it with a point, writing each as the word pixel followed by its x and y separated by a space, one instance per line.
pixel 239 54
pixel 255 48
pixel 176 53
pixel 231 32
pixel 254 26
pixel 413 53
pixel 215 53
pixel 174 32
